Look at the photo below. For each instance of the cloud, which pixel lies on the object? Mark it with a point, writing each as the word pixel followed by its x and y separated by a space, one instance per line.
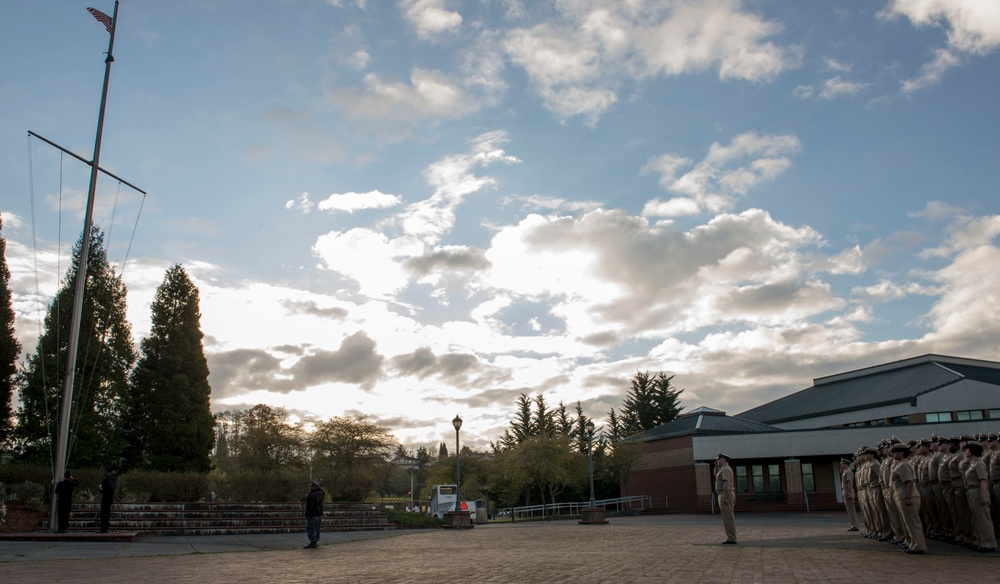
pixel 351 202
pixel 578 60
pixel 430 18
pixel 973 29
pixel 936 211
pixel 375 260
pixel 836 87
pixel 726 172
pixel 428 96
pixel 973 26
pixel 608 271
pixel 933 71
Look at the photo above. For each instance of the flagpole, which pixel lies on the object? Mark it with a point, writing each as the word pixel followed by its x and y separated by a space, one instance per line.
pixel 81 284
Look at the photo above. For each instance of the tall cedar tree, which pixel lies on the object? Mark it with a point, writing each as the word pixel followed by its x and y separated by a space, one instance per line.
pixel 10 349
pixel 104 358
pixel 172 428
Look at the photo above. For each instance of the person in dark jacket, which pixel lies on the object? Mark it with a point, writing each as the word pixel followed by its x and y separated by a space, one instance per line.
pixel 64 500
pixel 314 514
pixel 108 486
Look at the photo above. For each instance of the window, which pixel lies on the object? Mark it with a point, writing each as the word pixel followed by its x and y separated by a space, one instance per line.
pixel 774 476
pixel 938 417
pixel 741 479
pixel 758 478
pixel 969 415
pixel 808 479
pixel 899 420
pixel 995 414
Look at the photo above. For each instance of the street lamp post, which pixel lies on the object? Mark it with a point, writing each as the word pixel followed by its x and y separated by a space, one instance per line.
pixel 592 515
pixel 590 454
pixel 457 423
pixel 458 519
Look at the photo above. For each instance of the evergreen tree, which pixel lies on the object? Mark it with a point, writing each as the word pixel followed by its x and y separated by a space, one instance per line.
pixel 104 358
pixel 10 349
pixel 651 402
pixel 171 424
pixel 545 419
pixel 564 423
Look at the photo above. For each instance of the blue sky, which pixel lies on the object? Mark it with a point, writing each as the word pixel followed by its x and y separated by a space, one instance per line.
pixel 419 208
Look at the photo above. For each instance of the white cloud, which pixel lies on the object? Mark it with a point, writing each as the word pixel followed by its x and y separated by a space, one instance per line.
pixel 578 60
pixel 609 271
pixel 933 71
pixel 973 28
pixel 727 172
pixel 966 233
pixel 302 203
pixel 375 260
pixel 351 202
pixel 832 64
pixel 429 95
pixel 430 18
pixel 936 211
pixel 836 87
pixel 973 25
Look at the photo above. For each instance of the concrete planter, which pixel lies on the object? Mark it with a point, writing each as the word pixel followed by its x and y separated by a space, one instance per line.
pixel 458 520
pixel 592 516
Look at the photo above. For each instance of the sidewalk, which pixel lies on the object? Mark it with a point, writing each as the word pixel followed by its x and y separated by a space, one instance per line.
pixel 786 548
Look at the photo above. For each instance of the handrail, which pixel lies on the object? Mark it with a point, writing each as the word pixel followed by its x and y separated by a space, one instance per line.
pixel 560 509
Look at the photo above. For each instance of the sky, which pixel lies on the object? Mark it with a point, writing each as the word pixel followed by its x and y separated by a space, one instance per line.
pixel 417 209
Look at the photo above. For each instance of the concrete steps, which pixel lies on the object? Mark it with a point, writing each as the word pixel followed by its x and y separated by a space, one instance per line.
pixel 223 518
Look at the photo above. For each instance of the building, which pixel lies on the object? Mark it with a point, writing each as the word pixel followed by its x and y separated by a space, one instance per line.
pixel 785 453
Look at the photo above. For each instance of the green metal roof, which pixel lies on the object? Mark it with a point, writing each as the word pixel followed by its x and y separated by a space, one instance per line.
pixel 846 393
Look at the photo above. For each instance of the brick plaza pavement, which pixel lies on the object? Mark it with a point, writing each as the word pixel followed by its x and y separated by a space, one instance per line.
pixel 772 549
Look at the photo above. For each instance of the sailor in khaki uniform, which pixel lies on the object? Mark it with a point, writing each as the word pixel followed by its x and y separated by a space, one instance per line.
pixel 978 495
pixel 907 497
pixel 847 491
pixel 725 486
pixel 994 469
pixel 898 532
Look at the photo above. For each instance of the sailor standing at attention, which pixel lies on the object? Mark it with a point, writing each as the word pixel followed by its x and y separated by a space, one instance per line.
pixel 725 486
pixel 847 490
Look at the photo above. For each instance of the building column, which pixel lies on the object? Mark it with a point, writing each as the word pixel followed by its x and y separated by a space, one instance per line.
pixel 703 481
pixel 794 496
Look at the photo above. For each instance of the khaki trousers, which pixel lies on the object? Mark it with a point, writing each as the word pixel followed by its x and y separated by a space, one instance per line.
pixel 909 516
pixel 728 514
pixel 981 522
pixel 852 514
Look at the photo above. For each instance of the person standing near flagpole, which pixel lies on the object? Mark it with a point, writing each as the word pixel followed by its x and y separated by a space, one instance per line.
pixel 314 514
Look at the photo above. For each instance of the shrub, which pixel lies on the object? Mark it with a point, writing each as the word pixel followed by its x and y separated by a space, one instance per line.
pixel 153 486
pixel 408 520
pixel 27 492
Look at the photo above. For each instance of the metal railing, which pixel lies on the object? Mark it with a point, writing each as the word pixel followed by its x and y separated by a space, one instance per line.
pixel 565 509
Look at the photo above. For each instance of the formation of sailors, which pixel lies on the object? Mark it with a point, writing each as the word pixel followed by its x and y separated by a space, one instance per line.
pixel 942 488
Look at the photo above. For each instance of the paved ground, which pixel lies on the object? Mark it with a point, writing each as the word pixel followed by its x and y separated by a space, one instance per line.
pixel 781 548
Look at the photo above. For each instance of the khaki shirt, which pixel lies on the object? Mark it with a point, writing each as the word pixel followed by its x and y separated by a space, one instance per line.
pixel 902 473
pixel 847 484
pixel 934 465
pixel 975 472
pixel 954 466
pixel 724 480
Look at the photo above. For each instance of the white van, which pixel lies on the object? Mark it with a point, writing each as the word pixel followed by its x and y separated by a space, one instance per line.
pixel 443 498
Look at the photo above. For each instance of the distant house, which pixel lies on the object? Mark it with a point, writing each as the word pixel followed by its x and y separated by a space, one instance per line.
pixel 785 452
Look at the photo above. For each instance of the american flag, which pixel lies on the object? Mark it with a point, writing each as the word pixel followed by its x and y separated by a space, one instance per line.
pixel 101 17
